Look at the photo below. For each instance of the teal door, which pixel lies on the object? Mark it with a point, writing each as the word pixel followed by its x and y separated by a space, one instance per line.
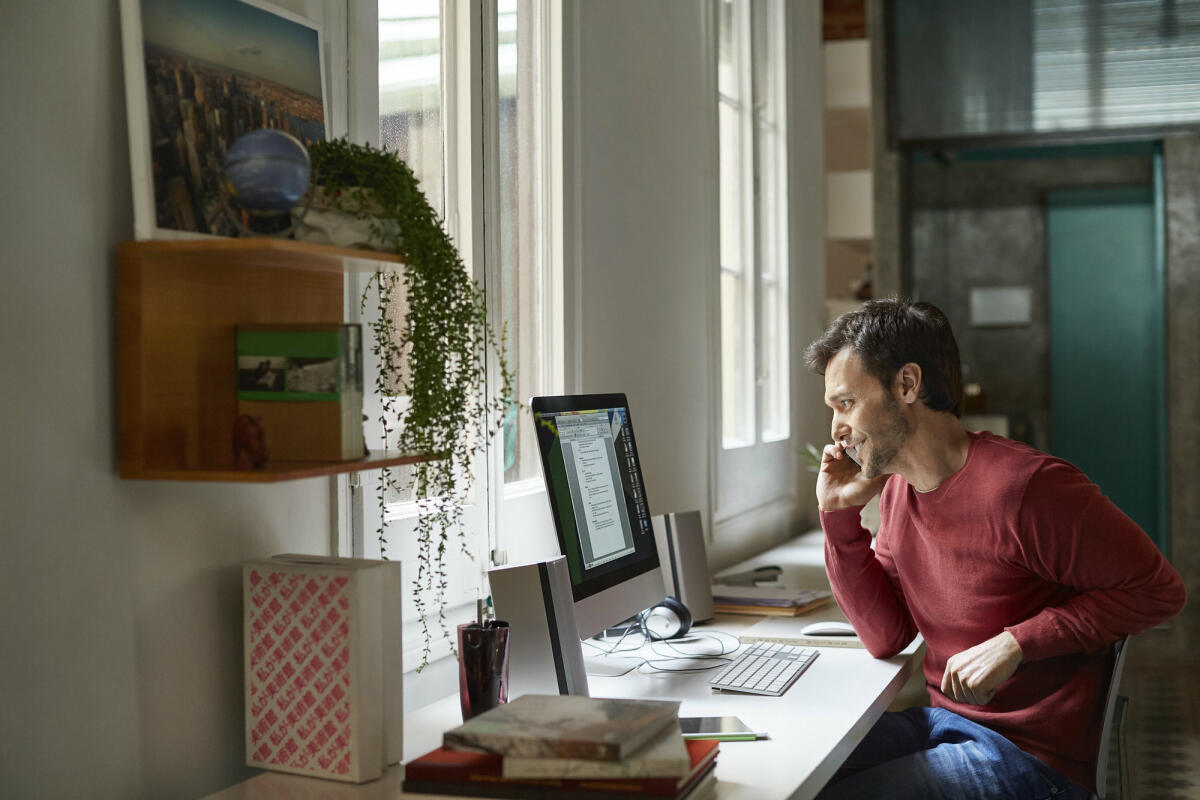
pixel 1106 344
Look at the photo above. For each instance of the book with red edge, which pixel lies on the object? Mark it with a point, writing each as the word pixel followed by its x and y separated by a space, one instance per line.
pixel 466 773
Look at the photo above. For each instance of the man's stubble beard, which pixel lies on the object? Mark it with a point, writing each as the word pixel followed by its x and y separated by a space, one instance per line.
pixel 887 443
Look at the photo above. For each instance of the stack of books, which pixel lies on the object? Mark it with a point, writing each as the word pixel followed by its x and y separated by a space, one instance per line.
pixel 556 747
pixel 767 600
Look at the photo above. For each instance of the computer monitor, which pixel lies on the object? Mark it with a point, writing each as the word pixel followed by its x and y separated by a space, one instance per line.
pixel 598 500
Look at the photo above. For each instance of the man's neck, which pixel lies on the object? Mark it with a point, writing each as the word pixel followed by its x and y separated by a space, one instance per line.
pixel 936 449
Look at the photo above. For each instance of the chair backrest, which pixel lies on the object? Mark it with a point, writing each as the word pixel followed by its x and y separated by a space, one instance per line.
pixel 1120 648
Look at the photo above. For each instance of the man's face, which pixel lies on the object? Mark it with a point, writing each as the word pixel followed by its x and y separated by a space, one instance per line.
pixel 867 420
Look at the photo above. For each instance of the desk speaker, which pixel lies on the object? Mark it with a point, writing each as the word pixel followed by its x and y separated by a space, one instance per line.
pixel 680 541
pixel 544 653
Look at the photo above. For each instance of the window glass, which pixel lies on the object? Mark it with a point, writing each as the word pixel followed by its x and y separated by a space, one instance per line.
pixel 523 247
pixel 410 117
pixel 410 90
pixel 736 227
pixel 771 142
pixel 755 356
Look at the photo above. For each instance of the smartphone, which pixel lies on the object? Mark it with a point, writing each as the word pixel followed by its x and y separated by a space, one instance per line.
pixel 724 729
pixel 857 463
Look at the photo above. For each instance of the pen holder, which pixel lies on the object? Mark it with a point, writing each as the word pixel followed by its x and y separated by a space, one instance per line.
pixel 482 666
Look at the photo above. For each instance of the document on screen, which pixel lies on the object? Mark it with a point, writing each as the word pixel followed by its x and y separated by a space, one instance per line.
pixel 602 514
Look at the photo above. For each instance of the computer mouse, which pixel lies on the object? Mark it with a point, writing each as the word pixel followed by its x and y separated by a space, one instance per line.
pixel 828 628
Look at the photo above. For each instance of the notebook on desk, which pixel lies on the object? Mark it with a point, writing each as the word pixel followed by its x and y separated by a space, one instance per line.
pixel 786 630
pixel 767 600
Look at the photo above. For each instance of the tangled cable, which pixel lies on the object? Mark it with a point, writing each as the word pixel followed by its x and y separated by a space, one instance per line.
pixel 664 650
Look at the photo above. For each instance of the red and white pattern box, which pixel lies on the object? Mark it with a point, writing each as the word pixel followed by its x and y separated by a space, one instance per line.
pixel 315 665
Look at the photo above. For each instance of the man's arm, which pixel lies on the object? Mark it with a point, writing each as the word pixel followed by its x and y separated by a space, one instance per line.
pixel 1074 536
pixel 865 585
pixel 863 580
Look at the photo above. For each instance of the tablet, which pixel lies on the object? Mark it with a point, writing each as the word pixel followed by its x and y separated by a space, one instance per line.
pixel 725 729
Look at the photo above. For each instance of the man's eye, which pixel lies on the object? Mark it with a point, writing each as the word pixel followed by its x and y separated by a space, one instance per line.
pixel 846 403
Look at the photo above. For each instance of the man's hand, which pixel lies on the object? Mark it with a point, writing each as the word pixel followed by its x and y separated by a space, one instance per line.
pixel 973 675
pixel 840 483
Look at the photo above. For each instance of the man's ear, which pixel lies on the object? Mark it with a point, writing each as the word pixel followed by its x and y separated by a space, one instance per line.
pixel 908 383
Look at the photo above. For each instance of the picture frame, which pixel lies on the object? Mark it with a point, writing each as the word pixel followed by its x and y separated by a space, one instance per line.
pixel 198 74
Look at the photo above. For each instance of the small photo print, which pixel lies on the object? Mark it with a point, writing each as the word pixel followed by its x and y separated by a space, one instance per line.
pixel 262 374
pixel 312 375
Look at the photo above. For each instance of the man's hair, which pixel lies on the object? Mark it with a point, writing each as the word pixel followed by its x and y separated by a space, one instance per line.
pixel 886 334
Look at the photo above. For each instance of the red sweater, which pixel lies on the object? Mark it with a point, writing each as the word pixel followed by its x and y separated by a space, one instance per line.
pixel 1020 541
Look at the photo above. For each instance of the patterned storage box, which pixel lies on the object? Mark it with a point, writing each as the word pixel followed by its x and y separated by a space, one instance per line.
pixel 322 666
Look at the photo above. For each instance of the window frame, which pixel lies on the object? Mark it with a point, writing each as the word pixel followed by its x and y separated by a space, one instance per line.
pixel 753 472
pixel 471 144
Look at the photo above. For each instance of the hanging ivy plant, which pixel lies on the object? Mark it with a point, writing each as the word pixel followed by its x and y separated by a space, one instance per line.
pixel 436 357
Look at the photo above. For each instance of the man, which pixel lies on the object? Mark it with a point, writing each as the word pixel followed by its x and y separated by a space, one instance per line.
pixel 1014 567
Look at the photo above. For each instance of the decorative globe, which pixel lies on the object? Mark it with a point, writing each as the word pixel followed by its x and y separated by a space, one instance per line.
pixel 267 170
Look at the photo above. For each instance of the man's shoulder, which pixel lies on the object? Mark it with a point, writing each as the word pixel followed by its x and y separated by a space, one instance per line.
pixel 1018 464
pixel 999 472
pixel 1002 446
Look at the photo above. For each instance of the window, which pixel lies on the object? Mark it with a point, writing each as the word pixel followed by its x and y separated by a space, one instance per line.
pixel 737 252
pixel 410 90
pixel 527 278
pixel 770 141
pixel 754 258
pixel 462 92
pixel 755 377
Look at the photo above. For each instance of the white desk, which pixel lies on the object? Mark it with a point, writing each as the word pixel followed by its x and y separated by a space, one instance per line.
pixel 812 727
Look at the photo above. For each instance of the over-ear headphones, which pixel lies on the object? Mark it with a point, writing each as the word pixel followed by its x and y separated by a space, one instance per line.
pixel 669 619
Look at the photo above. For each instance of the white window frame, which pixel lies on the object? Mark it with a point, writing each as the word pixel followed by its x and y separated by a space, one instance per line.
pixel 752 472
pixel 462 190
pixel 521 522
pixel 745 271
pixel 472 197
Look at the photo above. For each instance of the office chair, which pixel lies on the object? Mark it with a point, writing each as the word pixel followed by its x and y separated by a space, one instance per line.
pixel 1114 726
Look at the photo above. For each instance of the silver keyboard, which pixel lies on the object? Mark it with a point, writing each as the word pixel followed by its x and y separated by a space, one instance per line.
pixel 764 668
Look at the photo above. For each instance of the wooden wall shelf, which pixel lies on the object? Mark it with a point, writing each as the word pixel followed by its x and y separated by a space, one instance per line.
pixel 274 471
pixel 262 252
pixel 178 304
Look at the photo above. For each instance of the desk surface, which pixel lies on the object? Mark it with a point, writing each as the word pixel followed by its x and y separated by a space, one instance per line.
pixel 812 727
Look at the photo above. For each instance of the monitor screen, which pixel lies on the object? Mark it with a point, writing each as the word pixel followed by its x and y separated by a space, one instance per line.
pixel 598 499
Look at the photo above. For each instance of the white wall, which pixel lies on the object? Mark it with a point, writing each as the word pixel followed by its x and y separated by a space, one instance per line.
pixel 644 181
pixel 647 215
pixel 120 601
pixel 120 655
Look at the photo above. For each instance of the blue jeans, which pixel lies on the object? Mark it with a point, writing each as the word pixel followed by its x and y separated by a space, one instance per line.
pixel 928 753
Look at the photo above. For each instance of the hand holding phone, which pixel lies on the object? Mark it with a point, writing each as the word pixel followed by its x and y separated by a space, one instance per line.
pixel 841 483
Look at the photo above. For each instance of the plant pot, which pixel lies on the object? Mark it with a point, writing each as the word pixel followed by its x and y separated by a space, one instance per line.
pixel 322 223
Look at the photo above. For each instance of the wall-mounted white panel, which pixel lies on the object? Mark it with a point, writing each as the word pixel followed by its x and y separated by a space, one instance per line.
pixel 849 207
pixel 1001 305
pixel 847 139
pixel 847 73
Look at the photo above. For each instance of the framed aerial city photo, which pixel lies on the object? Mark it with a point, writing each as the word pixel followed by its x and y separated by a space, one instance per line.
pixel 199 74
